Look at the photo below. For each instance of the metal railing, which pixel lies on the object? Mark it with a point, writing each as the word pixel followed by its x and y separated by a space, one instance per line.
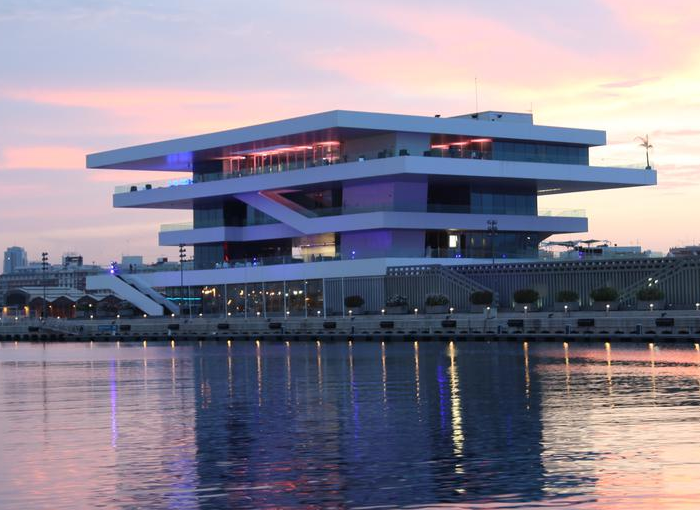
pixel 386 153
pixel 338 211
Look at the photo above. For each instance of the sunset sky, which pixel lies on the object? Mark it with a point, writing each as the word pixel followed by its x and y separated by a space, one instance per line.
pixel 84 76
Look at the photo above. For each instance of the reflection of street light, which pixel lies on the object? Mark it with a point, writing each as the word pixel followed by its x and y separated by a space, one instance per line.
pixel 492 229
pixel 44 268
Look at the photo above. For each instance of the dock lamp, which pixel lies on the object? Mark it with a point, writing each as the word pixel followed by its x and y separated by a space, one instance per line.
pixel 697 307
pixel 415 311
pixel 566 309
pixel 182 255
pixel 651 307
pixel 452 310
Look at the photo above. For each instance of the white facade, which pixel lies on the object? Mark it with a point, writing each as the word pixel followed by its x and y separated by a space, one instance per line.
pixel 346 193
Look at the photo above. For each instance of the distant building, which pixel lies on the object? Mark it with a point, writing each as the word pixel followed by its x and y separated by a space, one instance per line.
pixel 70 274
pixel 72 260
pixel 15 257
pixel 684 251
pixel 132 260
pixel 605 251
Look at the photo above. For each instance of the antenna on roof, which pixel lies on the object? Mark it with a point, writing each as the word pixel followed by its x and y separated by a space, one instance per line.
pixel 476 96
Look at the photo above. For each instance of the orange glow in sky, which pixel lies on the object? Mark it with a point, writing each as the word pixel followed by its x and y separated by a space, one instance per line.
pixel 85 77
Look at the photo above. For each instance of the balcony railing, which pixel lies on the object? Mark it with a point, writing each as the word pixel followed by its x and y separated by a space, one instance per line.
pixel 337 211
pixel 174 227
pixel 291 166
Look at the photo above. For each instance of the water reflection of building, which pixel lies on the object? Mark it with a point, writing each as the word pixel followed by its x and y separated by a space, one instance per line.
pixel 362 423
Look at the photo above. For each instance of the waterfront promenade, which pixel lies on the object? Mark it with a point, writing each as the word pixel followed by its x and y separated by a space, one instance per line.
pixel 675 326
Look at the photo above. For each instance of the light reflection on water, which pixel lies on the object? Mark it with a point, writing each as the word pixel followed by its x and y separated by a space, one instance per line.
pixel 349 424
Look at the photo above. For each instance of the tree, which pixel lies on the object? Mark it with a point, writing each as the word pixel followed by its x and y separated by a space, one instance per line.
pixel 645 143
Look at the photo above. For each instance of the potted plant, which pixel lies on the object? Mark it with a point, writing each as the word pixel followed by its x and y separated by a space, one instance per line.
pixel 604 298
pixel 650 298
pixel 436 303
pixel 566 300
pixel 354 304
pixel 525 298
pixel 397 304
pixel 480 299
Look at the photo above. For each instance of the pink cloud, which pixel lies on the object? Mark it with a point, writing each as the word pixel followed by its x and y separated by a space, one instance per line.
pixel 54 157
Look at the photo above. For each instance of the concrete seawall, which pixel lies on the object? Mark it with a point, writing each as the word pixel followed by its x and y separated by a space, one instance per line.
pixel 677 326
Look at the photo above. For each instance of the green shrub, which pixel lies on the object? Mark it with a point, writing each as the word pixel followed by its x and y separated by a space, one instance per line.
pixel 481 297
pixel 354 301
pixel 652 293
pixel 526 296
pixel 566 296
pixel 604 294
pixel 397 300
pixel 436 300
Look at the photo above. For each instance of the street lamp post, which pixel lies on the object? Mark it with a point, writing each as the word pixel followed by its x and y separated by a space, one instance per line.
pixel 182 275
pixel 44 269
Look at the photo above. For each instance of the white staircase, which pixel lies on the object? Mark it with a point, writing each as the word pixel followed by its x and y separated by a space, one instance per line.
pixel 126 291
pixel 146 289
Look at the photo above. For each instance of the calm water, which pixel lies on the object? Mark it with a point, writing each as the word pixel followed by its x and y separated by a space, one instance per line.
pixel 468 425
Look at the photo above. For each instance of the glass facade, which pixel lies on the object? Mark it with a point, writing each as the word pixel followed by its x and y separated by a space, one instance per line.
pixel 295 298
pixel 538 152
pixel 464 244
pixel 494 201
pixel 270 160
pixel 228 213
pixel 507 150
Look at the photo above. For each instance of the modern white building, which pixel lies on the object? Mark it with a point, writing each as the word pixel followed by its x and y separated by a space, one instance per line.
pixel 346 194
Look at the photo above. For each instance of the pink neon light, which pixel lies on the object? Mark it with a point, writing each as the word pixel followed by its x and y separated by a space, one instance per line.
pixel 481 140
pixel 329 143
pixel 439 146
